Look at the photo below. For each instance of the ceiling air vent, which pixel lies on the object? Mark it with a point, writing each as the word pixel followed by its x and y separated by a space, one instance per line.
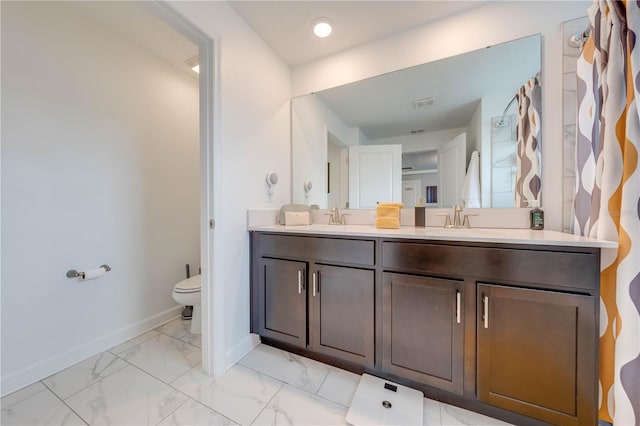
pixel 424 102
pixel 413 132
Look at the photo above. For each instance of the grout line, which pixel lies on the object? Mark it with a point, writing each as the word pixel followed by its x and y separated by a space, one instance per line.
pixel 90 384
pixel 282 385
pixel 284 381
pixel 324 380
pixel 3 407
pixel 174 410
pixel 64 403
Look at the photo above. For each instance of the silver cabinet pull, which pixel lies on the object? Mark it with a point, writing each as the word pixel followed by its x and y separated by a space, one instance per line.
pixel 299 282
pixel 314 284
pixel 458 307
pixel 485 312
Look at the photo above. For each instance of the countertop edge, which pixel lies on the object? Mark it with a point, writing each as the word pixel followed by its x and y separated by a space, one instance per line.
pixel 487 235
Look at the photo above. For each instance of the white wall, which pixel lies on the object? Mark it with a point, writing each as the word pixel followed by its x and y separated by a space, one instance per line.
pixel 100 164
pixel 251 137
pixel 488 24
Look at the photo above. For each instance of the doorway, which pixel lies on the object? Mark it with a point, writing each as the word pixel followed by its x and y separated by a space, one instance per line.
pixel 73 143
pixel 212 300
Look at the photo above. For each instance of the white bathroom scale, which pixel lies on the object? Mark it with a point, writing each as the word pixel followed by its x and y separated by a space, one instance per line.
pixel 381 402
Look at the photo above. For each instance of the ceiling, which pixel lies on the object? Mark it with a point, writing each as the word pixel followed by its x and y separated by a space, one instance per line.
pixel 383 106
pixel 286 26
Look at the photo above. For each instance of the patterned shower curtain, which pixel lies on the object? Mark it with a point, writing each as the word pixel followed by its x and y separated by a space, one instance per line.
pixel 607 199
pixel 528 144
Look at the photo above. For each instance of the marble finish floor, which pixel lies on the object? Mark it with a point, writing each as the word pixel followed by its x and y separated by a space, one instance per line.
pixel 156 378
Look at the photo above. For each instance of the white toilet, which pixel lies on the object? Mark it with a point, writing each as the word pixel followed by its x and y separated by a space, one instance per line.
pixel 187 292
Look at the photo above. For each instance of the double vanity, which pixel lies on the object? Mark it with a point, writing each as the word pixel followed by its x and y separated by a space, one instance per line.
pixel 499 321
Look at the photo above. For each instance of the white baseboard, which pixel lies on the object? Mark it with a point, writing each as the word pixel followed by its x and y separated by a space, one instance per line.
pixel 236 353
pixel 19 379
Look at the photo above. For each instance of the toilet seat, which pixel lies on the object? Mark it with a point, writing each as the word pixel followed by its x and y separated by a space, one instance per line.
pixel 190 285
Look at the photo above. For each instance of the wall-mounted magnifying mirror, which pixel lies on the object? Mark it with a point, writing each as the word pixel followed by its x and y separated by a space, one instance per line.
pixel 408 135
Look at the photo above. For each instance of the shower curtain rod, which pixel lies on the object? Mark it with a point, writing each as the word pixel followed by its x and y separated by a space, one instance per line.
pixel 579 39
pixel 501 122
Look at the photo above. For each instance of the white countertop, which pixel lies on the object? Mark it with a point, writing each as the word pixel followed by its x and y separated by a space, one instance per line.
pixel 486 235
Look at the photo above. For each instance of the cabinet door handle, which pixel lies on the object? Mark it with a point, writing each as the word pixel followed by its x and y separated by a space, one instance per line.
pixel 485 310
pixel 458 307
pixel 314 283
pixel 299 282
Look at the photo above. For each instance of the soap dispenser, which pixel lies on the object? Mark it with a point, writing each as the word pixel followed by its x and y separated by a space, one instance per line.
pixel 536 216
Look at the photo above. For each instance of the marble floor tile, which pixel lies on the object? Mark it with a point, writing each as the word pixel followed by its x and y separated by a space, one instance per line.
pixel 77 377
pixel 181 330
pixel 239 394
pixel 133 342
pixel 298 371
pixel 127 397
pixel 192 413
pixel 21 394
pixel 163 357
pixel 431 415
pixel 339 386
pixel 293 406
pixel 456 416
pixel 39 408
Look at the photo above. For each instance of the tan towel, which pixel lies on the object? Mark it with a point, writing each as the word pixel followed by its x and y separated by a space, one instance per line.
pixel 388 215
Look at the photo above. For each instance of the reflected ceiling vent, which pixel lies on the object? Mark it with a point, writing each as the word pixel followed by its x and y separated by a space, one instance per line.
pixel 413 132
pixel 424 102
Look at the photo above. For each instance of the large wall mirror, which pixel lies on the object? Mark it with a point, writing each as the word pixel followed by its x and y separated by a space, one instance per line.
pixel 411 135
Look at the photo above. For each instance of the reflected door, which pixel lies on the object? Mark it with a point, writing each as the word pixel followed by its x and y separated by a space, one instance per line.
pixel 452 168
pixel 410 193
pixel 375 175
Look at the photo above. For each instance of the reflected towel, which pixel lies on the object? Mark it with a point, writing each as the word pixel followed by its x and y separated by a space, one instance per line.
pixel 471 189
pixel 388 215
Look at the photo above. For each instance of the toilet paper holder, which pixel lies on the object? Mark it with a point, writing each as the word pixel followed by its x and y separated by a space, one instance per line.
pixel 72 273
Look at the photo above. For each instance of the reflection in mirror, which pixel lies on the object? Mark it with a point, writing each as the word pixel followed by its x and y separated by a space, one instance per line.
pixel 574 39
pixel 436 114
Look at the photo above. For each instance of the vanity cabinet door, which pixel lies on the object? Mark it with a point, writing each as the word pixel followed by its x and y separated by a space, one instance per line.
pixel 537 353
pixel 342 313
pixel 282 301
pixel 423 330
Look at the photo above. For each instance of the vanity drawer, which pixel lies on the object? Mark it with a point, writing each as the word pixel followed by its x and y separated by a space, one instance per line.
pixel 331 250
pixel 575 270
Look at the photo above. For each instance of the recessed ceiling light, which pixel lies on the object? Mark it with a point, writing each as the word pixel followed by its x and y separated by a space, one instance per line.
pixel 322 27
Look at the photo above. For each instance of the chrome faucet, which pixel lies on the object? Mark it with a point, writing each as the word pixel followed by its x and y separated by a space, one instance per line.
pixel 335 216
pixel 456 216
pixel 457 223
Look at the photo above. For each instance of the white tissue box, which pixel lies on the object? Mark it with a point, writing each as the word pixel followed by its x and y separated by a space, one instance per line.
pixel 296 218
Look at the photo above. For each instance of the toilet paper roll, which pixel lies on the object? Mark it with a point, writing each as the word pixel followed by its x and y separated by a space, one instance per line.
pixel 92 274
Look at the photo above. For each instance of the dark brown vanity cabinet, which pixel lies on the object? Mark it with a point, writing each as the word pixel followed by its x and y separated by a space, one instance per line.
pixel 537 353
pixel 422 329
pixel 508 330
pixel 316 293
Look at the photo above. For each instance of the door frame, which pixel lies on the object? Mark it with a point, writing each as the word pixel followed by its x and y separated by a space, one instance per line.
pixel 418 187
pixel 211 277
